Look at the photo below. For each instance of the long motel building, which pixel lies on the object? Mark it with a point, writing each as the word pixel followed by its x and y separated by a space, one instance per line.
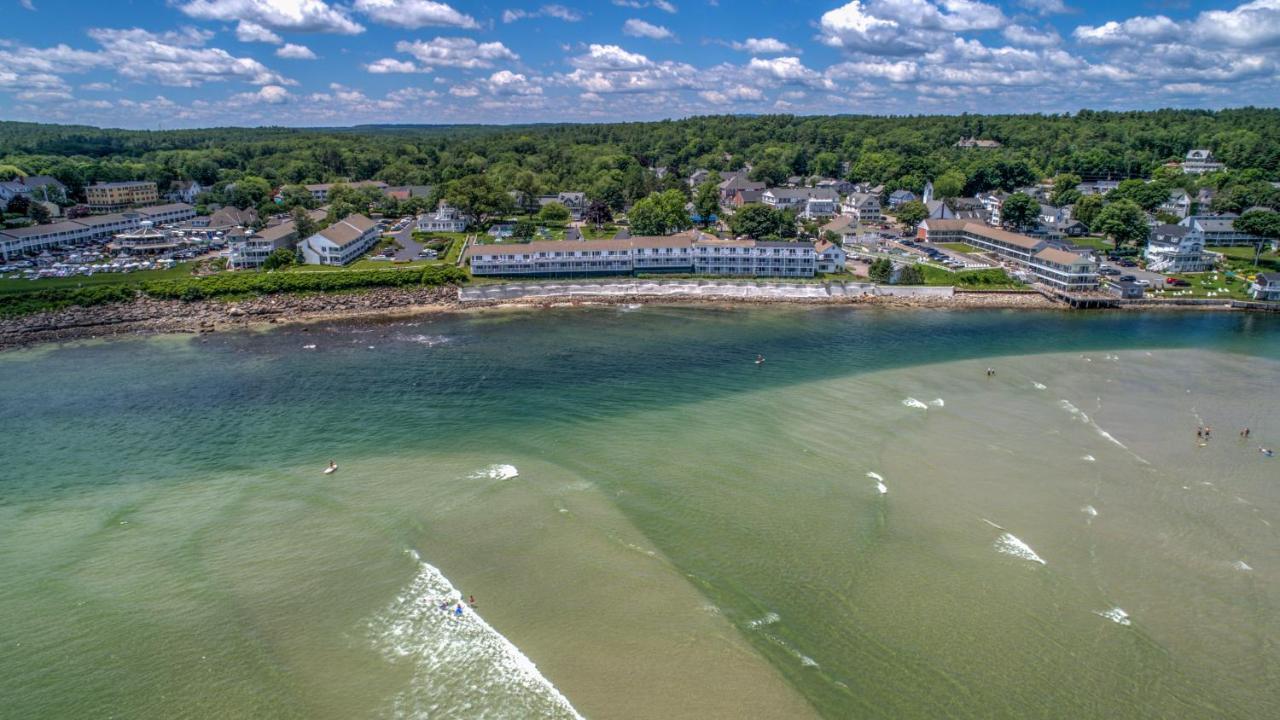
pixel 19 241
pixel 1052 266
pixel 688 252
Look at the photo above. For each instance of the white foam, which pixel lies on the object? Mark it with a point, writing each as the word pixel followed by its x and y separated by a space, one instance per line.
pixel 1115 615
pixel 1010 544
pixel 939 402
pixel 1090 510
pixel 459 660
pixel 1039 386
pixel 1108 436
pixel 1241 565
pixel 768 619
pixel 496 472
pixel 1076 412
pixel 428 340
pixel 914 403
pixel 875 476
pixel 1088 458
pixel 309 347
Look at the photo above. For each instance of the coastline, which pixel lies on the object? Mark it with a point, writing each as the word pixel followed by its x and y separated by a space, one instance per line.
pixel 146 316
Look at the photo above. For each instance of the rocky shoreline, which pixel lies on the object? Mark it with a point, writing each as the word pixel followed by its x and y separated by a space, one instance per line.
pixel 147 316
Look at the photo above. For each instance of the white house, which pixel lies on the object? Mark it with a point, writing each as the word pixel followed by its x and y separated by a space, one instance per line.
pixel 897 197
pixel 1178 204
pixel 830 257
pixel 341 242
pixel 1175 249
pixel 446 218
pixel 1265 287
pixel 1200 161
pixel 808 203
pixel 184 191
pixel 1218 230
pixel 863 207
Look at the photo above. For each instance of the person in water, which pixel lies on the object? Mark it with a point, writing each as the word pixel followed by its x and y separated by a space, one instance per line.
pixel 333 464
pixel 472 602
pixel 457 612
pixel 759 359
pixel 1265 451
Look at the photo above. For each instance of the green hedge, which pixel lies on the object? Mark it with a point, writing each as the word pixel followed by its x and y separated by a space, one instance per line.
pixel 230 285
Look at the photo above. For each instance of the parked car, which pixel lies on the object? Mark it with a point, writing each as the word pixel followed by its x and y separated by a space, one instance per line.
pixel 1128 278
pixel 1108 271
pixel 1177 282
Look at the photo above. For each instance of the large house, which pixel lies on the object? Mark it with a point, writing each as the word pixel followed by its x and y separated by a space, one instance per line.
pixel 973 142
pixel 1200 161
pixel 320 191
pixel 1266 286
pixel 738 182
pixel 808 203
pixel 1052 266
pixel 1178 204
pixel 446 218
pixel 1175 249
pixel 19 241
pixel 1218 231
pixel 249 249
pixel 184 191
pixel 115 196
pixel 224 219
pixel 897 197
pixel 830 257
pixel 863 207
pixel 35 187
pixel 688 252
pixel 341 242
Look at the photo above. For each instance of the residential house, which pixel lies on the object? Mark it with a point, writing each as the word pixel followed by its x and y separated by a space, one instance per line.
pixel 1125 289
pixel 1266 286
pixel 1218 231
pixel 12 189
pixel 115 196
pixel 1051 266
pixel 863 207
pixel 446 218
pixel 1178 204
pixel 576 202
pixel 973 142
pixel 808 203
pixel 36 187
pixel 224 219
pixel 747 197
pixel 1204 198
pixel 844 226
pixel 1200 161
pixel 1097 187
pixel 897 197
pixel 830 257
pixel 249 249
pixel 184 191
pixel 341 242
pixel 1175 249
pixel 320 191
pixel 842 187
pixel 408 192
pixel 698 177
pixel 730 187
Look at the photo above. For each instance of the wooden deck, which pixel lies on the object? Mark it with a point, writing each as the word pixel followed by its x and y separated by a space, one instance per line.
pixel 1079 300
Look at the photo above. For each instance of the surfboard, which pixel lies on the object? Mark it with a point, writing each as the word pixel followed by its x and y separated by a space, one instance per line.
pixel 330 470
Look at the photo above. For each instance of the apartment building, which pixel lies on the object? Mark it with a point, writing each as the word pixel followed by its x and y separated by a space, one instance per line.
pixel 341 242
pixel 116 196
pixel 1174 249
pixel 37 238
pixel 1049 265
pixel 1218 230
pixel 251 249
pixel 320 191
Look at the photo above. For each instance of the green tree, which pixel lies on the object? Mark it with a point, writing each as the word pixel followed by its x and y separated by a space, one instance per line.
pixel 19 204
pixel 280 258
pixel 524 229
pixel 1124 222
pixel 825 164
pixel 554 212
pixel 761 221
pixel 1087 209
pixel 598 214
pixel 706 201
pixel 911 275
pixel 249 192
pixel 910 214
pixel 1019 210
pixel 949 184
pixel 1261 223
pixel 1147 195
pixel 880 270
pixel 659 214
pixel 38 212
pixel 302 221
pixel 478 199
pixel 1064 190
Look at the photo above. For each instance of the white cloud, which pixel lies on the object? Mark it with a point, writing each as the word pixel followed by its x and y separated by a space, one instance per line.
pixel 27 4
pixel 788 70
pixel 740 93
pixel 253 32
pixel 98 86
pixel 662 5
pixel 414 14
pixel 392 65
pixel 295 52
pixel 505 82
pixel 900 27
pixel 1022 35
pixel 178 58
pixel 290 15
pixel 1045 7
pixel 559 12
pixel 763 46
pixel 610 57
pixel 456 52
pixel 639 28
pixel 268 94
pixel 464 91
pixel 1250 25
pixel 1147 29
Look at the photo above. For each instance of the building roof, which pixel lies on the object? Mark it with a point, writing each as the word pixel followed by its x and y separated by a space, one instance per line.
pixel 1174 231
pixel 348 229
pixel 685 239
pixel 804 193
pixel 1269 278
pixel 277 232
pixel 839 224
pixel 34 230
pixel 863 199
pixel 982 230
pixel 122 184
pixel 165 208
pixel 1061 257
pixel 95 220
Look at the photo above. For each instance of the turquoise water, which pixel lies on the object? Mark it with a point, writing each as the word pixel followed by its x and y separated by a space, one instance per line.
pixel 659 525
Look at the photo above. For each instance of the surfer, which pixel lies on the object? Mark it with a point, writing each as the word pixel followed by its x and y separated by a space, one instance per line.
pixel 457 612
pixel 333 467
pixel 1265 451
pixel 759 359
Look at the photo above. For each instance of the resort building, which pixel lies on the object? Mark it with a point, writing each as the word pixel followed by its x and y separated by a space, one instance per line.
pixel 1218 231
pixel 144 240
pixel 1175 249
pixel 1052 266
pixel 320 191
pixel 1200 161
pixel 808 203
pixel 1266 286
pixel 829 257
pixel 446 218
pixel 341 242
pixel 688 252
pixel 250 249
pixel 116 196
pixel 20 241
pixel 863 207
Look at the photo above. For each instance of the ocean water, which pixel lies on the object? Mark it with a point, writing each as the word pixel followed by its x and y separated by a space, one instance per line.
pixel 651 524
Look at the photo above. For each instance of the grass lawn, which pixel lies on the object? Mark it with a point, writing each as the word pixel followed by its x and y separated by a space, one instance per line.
pixel 180 270
pixel 1211 285
pixel 1241 258
pixel 958 247
pixel 993 279
pixel 1097 242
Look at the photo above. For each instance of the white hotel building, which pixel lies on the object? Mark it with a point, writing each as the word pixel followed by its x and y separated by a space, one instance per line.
pixel 341 242
pixel 96 228
pixel 1052 266
pixel 683 253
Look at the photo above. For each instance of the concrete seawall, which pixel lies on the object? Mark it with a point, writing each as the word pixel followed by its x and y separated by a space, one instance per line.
pixel 748 289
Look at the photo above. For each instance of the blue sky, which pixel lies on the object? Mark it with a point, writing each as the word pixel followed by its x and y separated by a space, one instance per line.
pixel 193 63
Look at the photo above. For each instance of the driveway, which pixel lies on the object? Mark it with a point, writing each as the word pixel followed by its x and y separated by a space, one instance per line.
pixel 1156 279
pixel 409 247
pixel 572 233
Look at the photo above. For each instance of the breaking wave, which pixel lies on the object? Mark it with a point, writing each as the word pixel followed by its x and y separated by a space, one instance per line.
pixel 1039 386
pixel 768 619
pixel 1088 458
pixel 1241 565
pixel 1115 615
pixel 1012 545
pixel 428 340
pixel 496 472
pixel 939 402
pixel 914 403
pixel 1090 510
pixel 458 662
pixel 880 486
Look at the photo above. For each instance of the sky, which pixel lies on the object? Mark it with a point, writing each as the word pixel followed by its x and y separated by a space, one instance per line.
pixel 198 63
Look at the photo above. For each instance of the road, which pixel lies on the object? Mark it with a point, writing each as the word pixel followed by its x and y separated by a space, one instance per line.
pixel 409 248
pixel 1156 279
